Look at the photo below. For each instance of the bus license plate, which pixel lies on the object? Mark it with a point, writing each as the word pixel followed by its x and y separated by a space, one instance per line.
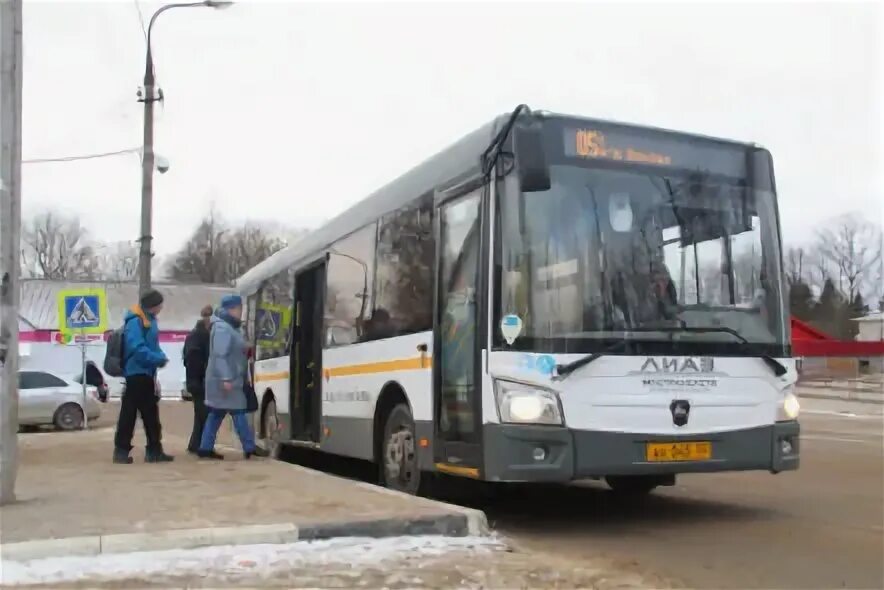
pixel 687 451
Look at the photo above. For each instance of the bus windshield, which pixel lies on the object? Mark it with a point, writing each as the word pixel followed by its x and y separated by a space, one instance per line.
pixel 609 253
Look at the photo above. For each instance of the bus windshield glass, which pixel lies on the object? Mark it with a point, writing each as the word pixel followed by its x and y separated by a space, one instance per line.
pixel 610 253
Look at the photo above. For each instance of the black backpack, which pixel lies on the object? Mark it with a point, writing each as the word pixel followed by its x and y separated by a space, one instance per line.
pixel 114 356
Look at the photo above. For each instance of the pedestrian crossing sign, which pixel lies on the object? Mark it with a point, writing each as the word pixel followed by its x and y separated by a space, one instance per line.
pixel 82 311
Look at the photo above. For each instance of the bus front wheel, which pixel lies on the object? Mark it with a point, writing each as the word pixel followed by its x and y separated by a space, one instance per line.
pixel 399 466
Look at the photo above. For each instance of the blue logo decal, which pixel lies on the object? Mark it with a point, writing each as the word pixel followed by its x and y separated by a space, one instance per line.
pixel 544 364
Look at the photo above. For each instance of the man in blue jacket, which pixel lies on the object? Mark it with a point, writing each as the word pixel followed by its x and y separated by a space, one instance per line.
pixel 142 357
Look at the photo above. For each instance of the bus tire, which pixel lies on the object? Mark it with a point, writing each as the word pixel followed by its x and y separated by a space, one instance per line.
pixel 270 429
pixel 399 465
pixel 633 485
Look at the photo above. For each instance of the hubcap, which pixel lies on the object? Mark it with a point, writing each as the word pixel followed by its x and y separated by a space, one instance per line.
pixel 68 418
pixel 400 456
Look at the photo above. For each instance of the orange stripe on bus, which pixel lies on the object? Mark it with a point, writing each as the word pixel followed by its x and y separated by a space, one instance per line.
pixel 413 364
pixel 271 376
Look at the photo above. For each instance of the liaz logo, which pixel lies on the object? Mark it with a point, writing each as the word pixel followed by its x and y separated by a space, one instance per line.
pixel 678 365
pixel 678 373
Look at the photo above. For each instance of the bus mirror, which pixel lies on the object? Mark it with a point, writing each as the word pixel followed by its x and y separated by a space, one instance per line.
pixel 530 157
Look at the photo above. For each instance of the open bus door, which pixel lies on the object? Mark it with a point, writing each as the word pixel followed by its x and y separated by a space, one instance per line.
pixel 305 399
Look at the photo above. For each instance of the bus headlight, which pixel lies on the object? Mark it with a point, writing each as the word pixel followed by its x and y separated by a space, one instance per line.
pixel 519 403
pixel 789 408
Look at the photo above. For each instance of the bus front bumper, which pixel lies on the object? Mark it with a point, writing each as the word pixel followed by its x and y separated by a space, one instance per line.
pixel 552 454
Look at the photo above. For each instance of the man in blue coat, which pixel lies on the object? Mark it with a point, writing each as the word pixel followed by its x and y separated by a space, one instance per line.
pixel 142 357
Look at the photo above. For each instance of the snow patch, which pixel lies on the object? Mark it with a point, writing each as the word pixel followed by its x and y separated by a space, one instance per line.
pixel 262 560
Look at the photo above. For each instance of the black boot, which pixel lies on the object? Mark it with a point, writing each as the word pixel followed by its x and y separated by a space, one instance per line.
pixel 258 452
pixel 210 455
pixel 157 457
pixel 122 457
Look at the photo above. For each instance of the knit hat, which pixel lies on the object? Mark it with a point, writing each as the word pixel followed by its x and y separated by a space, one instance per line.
pixel 150 299
pixel 229 301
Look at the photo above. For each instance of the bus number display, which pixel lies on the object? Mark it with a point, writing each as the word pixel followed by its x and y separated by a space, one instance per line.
pixel 589 143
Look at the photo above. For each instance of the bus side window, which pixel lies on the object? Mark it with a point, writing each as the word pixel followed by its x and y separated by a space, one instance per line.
pixel 349 286
pixel 404 281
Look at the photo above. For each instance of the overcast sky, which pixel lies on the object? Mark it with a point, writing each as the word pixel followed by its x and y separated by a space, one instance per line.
pixel 293 111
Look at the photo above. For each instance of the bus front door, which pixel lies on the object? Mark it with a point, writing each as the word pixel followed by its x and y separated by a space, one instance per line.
pixel 457 383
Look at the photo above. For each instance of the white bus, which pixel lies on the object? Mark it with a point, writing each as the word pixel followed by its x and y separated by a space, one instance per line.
pixel 551 298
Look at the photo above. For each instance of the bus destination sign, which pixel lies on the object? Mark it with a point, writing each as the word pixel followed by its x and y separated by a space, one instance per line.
pixel 653 148
pixel 590 143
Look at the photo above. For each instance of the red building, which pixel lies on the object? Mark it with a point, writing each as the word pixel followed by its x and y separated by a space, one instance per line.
pixel 807 341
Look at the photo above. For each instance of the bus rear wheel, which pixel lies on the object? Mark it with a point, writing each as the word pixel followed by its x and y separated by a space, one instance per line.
pixel 399 466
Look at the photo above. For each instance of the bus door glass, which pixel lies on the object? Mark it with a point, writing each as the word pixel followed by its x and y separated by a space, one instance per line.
pixel 458 392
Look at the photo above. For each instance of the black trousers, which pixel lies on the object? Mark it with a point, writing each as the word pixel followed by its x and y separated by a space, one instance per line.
pixel 200 413
pixel 139 398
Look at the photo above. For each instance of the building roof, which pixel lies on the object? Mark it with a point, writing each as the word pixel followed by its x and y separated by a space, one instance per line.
pixel 181 306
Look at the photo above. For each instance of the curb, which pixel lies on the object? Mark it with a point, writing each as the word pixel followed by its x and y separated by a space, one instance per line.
pixel 450 525
pixel 154 541
pixel 476 521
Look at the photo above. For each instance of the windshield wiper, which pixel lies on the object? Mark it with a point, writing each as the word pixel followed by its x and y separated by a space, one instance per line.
pixel 563 371
pixel 776 366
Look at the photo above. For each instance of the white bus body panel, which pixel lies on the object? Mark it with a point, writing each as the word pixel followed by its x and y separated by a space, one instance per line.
pixel 631 394
pixel 354 376
pixel 272 375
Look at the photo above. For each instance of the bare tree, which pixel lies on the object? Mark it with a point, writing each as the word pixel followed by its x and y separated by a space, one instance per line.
pixel 853 246
pixel 216 253
pixel 819 268
pixel 245 247
pixel 55 247
pixel 202 258
pixel 795 261
pixel 117 262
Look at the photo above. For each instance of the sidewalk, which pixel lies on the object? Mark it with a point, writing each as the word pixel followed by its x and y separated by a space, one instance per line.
pixel 82 522
pixel 73 501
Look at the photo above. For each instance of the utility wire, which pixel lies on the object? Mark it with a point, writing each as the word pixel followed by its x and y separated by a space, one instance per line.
pixel 83 157
pixel 141 19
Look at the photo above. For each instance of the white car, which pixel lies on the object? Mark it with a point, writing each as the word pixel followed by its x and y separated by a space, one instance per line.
pixel 45 398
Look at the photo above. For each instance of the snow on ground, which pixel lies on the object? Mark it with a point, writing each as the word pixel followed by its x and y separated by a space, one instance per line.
pixel 265 560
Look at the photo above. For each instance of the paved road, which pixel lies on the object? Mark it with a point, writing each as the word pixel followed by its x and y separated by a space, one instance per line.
pixel 819 527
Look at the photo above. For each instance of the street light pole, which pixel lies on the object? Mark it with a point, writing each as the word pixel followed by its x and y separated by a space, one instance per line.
pixel 147 159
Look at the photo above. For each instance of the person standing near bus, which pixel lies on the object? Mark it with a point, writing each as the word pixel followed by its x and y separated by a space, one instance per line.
pixel 196 359
pixel 226 375
pixel 143 358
